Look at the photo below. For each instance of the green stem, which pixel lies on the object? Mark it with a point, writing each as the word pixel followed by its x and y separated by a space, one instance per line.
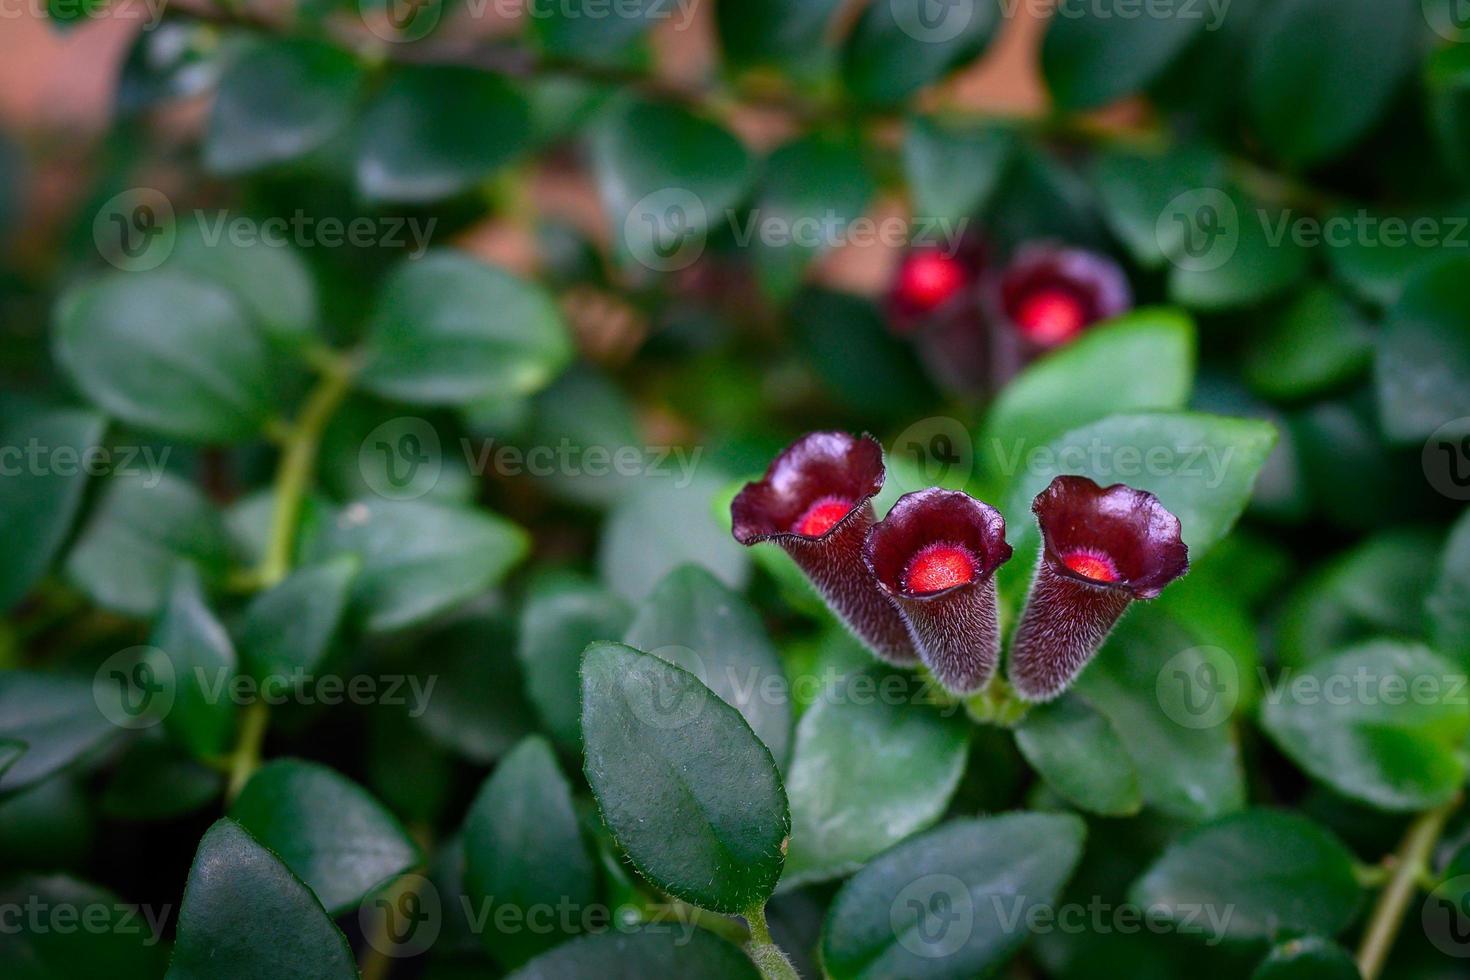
pixel 1411 863
pixel 246 757
pixel 298 461
pixel 768 958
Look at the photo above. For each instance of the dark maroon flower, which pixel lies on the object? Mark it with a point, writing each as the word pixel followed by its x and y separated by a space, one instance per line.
pixel 1102 547
pixel 816 503
pixel 934 283
pixel 936 554
pixel 1047 295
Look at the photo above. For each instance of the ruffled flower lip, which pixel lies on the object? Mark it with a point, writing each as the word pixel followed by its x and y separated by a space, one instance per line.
pixel 941 525
pixel 1112 537
pixel 806 485
pixel 1049 293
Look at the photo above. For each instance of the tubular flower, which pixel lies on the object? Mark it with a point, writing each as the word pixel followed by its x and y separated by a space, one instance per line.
pixel 1047 295
pixel 1102 548
pixel 936 554
pixel 815 501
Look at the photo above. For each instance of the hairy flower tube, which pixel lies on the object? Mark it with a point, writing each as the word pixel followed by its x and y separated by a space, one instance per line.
pixel 1048 295
pixel 936 554
pixel 1102 548
pixel 815 501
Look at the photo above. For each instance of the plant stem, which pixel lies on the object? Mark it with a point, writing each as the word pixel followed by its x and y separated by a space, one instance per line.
pixel 246 757
pixel 768 958
pixel 298 461
pixel 1411 862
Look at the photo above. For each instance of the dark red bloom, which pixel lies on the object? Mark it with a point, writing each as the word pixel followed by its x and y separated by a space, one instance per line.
pixel 936 554
pixel 1047 295
pixel 1102 547
pixel 815 501
pixel 933 284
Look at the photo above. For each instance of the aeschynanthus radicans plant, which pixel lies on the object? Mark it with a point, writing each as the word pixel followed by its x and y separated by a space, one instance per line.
pixel 1048 295
pixel 815 501
pixel 1102 548
pixel 936 554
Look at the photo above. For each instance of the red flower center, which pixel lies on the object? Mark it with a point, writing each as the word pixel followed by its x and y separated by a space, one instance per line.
pixel 929 279
pixel 821 516
pixel 1092 564
pixel 1051 316
pixel 937 567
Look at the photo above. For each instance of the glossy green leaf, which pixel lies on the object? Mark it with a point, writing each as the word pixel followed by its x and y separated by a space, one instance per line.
pixel 1081 757
pixel 419 559
pixel 1379 250
pixel 466 691
pixel 682 782
pixel 156 781
pixel 247 917
pixel 1238 253
pixel 124 557
pixel 289 628
pixel 1318 342
pixel 946 904
pixel 449 329
pixel 1272 872
pixel 897 48
pixel 436 131
pixel 1448 603
pixel 523 849
pixel 40 493
pixel 780 31
pixel 586 30
pixel 694 621
pixel 1098 53
pixel 200 659
pixel 1308 958
pixel 1310 101
pixel 662 524
pixel 874 762
pixel 1140 193
pixel 953 169
pixel 167 353
pixel 372 448
pixel 1384 723
pixel 846 341
pixel 811 190
pixel 558 621
pixel 279 101
pixel 1094 377
pixel 327 829
pixel 1422 370
pixel 73 929
pixel 55 717
pixel 651 952
pixel 269 280
pixel 666 178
